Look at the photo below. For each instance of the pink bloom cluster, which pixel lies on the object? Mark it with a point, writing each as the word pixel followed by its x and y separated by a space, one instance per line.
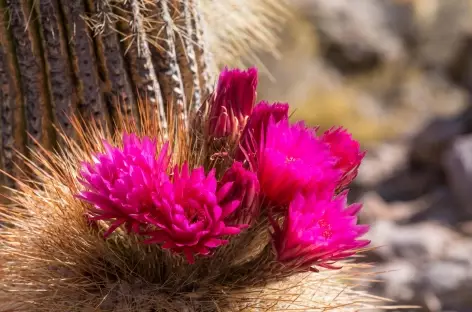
pixel 278 170
pixel 130 185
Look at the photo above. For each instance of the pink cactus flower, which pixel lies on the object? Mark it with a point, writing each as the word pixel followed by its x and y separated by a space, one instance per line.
pixel 232 102
pixel 318 232
pixel 256 129
pixel 293 160
pixel 347 152
pixel 187 216
pixel 120 182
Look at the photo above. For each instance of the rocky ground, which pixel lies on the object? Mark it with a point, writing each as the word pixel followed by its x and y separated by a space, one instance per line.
pixel 421 217
pixel 398 74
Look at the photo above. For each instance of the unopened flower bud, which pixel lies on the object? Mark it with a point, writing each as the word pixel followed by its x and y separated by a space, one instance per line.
pixel 232 102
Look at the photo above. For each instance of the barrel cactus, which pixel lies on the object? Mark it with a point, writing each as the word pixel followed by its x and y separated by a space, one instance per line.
pixel 165 193
pixel 98 57
pixel 245 212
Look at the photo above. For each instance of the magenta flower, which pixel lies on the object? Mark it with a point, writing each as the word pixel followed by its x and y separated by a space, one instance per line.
pixel 347 152
pixel 120 183
pixel 293 160
pixel 187 216
pixel 318 232
pixel 256 128
pixel 232 102
pixel 242 185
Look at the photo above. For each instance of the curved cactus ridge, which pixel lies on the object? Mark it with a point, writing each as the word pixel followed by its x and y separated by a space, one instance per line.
pixel 97 57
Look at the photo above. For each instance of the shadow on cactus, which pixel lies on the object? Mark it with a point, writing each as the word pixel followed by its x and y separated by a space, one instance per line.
pixel 243 212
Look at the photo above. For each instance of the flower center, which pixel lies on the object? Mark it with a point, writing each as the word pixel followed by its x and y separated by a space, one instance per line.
pixel 325 228
pixel 290 159
pixel 194 214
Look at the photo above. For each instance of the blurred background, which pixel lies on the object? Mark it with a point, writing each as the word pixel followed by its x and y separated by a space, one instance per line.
pixel 398 75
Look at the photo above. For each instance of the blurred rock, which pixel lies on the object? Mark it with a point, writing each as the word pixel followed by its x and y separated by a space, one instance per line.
pixel 426 264
pixel 458 168
pixel 460 69
pixel 354 37
pixel 429 145
pixel 459 250
pixel 397 280
pixel 409 184
pixel 450 281
pixel 376 208
pixel 443 285
pixel 402 20
pixel 440 206
pixel 363 34
pixel 442 28
pixel 381 162
pixel 466 228
pixel 425 93
pixel 416 242
pixel 445 276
